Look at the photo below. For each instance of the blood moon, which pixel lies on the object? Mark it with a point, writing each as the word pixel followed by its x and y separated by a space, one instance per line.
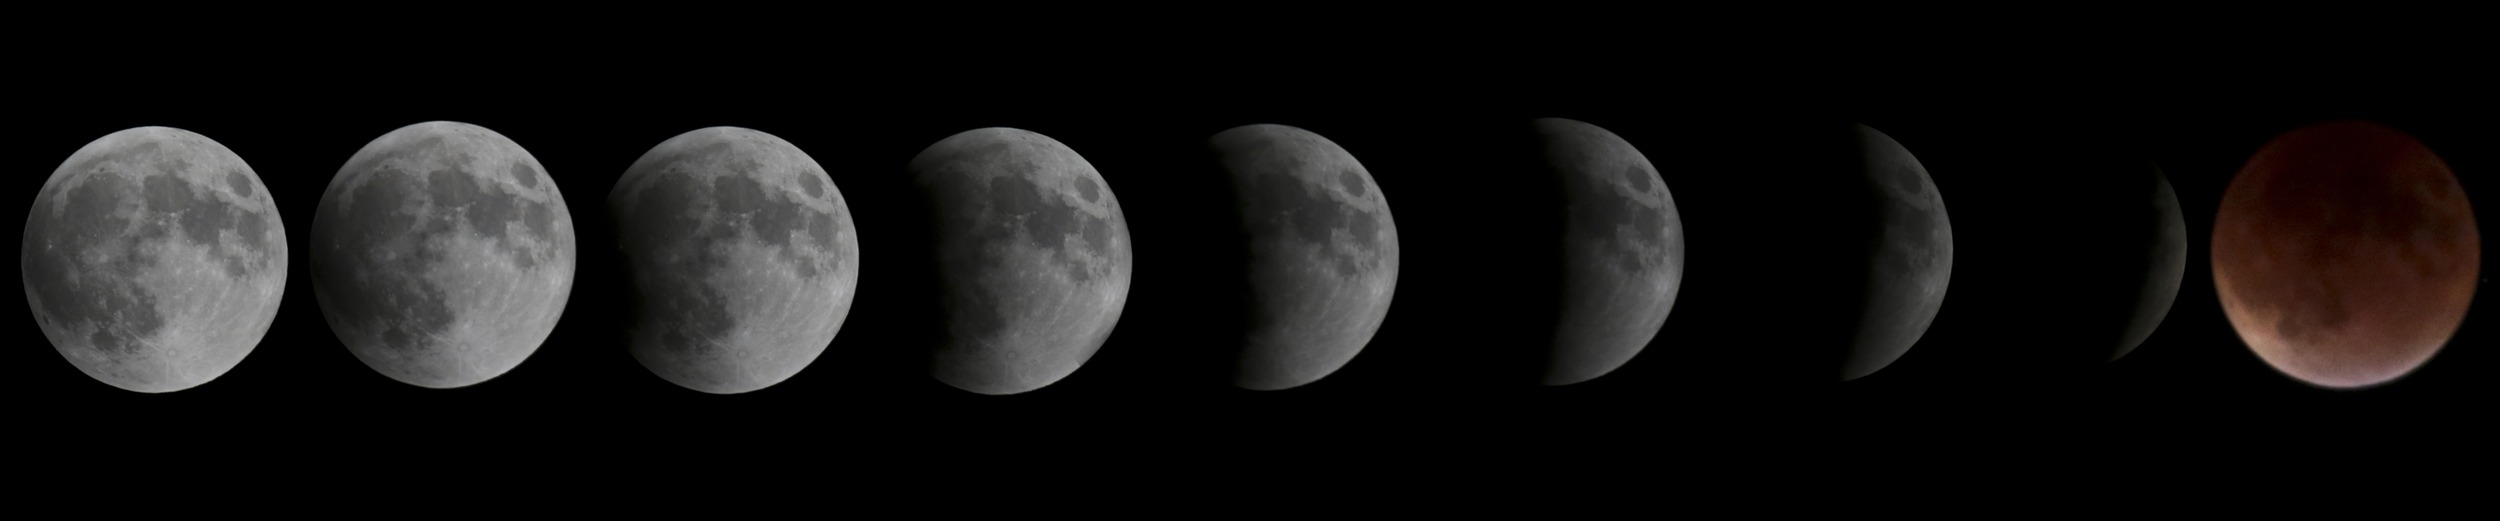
pixel 2345 254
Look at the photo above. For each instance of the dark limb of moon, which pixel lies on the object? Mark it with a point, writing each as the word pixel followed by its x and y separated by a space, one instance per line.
pixel 1323 255
pixel 442 254
pixel 1912 256
pixel 1032 255
pixel 2345 254
pixel 154 260
pixel 743 256
pixel 1623 250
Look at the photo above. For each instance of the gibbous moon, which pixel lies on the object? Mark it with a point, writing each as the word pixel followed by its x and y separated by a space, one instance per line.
pixel 2345 254
pixel 1323 253
pixel 743 256
pixel 153 259
pixel 2166 264
pixel 1033 258
pixel 442 254
pixel 1623 250
pixel 1912 256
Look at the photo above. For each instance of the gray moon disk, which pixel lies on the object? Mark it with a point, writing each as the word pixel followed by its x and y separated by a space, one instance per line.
pixel 1033 258
pixel 1912 259
pixel 153 259
pixel 1623 250
pixel 2167 264
pixel 743 256
pixel 442 254
pixel 1323 253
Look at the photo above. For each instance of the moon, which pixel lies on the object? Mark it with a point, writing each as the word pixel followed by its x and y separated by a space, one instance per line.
pixel 442 254
pixel 1033 256
pixel 1323 253
pixel 2166 264
pixel 154 259
pixel 1912 256
pixel 743 256
pixel 1623 250
pixel 2345 254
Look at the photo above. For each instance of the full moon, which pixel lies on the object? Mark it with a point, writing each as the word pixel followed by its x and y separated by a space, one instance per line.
pixel 743 257
pixel 1912 256
pixel 1033 258
pixel 2345 254
pixel 154 260
pixel 442 254
pixel 1623 250
pixel 1323 253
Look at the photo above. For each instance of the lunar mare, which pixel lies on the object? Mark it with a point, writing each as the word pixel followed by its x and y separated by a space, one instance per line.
pixel 1033 258
pixel 743 256
pixel 154 259
pixel 2167 265
pixel 2345 254
pixel 442 254
pixel 1323 253
pixel 1623 250
pixel 1912 256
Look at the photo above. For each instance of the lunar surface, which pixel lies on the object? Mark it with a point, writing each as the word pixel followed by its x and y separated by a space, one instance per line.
pixel 2166 264
pixel 1323 253
pixel 442 254
pixel 1623 250
pixel 1034 258
pixel 154 260
pixel 1913 256
pixel 2345 254
pixel 743 257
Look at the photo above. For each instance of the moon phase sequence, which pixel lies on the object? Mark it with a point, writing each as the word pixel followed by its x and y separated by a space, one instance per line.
pixel 442 254
pixel 154 259
pixel 2345 255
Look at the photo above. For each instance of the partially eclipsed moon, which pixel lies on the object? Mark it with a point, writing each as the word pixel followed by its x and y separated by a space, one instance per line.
pixel 1033 258
pixel 1912 258
pixel 442 254
pixel 743 257
pixel 2166 265
pixel 1623 250
pixel 1323 253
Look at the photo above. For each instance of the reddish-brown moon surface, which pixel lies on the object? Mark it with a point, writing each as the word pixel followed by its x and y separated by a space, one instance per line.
pixel 2345 254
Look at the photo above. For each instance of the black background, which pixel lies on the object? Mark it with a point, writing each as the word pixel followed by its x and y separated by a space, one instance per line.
pixel 2022 155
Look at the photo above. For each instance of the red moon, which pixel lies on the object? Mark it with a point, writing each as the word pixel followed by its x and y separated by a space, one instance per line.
pixel 2345 254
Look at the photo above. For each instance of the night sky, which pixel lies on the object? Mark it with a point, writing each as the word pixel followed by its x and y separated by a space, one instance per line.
pixel 2028 160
